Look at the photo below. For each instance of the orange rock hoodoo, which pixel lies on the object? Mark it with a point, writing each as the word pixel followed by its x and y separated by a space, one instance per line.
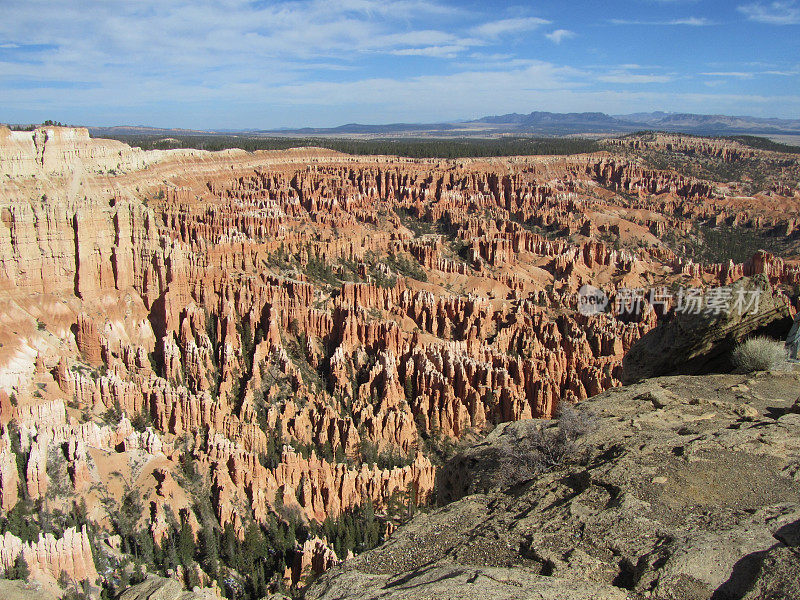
pixel 280 317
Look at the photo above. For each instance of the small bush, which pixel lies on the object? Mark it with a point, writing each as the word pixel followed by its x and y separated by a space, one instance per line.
pixel 64 580
pixel 142 420
pixel 759 354
pixel 575 423
pixel 545 448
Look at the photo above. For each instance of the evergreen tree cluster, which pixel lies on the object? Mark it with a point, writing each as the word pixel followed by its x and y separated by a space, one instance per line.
pixel 19 570
pixel 356 530
pixel 244 569
pixel 410 147
pixel 30 518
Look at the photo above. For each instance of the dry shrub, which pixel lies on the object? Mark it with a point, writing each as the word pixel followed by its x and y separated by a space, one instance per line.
pixel 544 448
pixel 759 354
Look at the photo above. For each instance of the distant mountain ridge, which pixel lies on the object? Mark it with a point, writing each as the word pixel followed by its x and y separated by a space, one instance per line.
pixel 688 119
pixel 534 123
pixel 538 117
pixel 674 122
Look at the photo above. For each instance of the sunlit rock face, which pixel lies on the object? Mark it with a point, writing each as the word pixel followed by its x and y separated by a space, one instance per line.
pixel 308 329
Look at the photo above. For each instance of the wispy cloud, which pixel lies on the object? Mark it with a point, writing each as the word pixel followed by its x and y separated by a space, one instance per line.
pixel 434 51
pixel 211 35
pixel 735 74
pixel 752 74
pixel 506 26
pixel 625 77
pixel 689 21
pixel 772 13
pixel 559 35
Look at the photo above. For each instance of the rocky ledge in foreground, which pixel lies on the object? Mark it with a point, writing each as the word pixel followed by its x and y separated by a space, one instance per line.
pixel 679 488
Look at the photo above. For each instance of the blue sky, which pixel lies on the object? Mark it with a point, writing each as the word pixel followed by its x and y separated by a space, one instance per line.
pixel 264 64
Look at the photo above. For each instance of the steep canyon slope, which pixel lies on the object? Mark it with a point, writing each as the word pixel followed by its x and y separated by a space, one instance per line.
pixel 204 352
pixel 679 488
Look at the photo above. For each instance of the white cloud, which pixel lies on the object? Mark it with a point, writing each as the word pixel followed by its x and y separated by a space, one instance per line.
pixel 751 74
pixel 211 36
pixel 625 78
pixel 772 13
pixel 735 74
pixel 692 21
pixel 507 26
pixel 559 35
pixel 458 89
pixel 495 56
pixel 433 51
pixel 689 21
